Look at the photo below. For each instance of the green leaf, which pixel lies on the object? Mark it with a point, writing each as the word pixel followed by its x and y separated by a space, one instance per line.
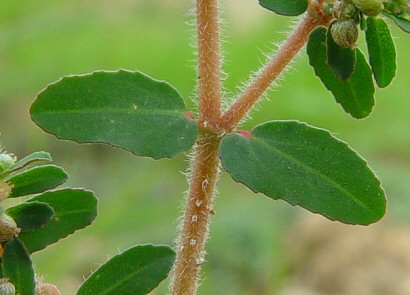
pixel 382 52
pixel 137 271
pixel 285 7
pixel 341 60
pixel 125 109
pixel 17 267
pixel 74 209
pixel 401 22
pixel 30 216
pixel 32 158
pixel 356 94
pixel 362 22
pixel 305 166
pixel 37 180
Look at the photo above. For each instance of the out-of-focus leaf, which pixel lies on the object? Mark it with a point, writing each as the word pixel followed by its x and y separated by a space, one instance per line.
pixel 137 271
pixel 17 267
pixel 37 180
pixel 74 209
pixel 285 7
pixel 31 215
pixel 32 158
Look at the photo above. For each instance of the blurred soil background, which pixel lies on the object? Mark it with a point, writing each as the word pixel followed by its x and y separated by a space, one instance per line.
pixel 257 246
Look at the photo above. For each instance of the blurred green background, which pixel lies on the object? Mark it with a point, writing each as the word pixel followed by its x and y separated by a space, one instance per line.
pixel 141 199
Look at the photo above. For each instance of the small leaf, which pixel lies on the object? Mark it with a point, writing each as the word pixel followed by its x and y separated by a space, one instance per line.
pixel 362 21
pixel 305 166
pixel 125 109
pixel 137 271
pixel 30 216
pixel 382 52
pixel 17 267
pixel 341 60
pixel 74 209
pixel 37 180
pixel 356 94
pixel 32 158
pixel 401 22
pixel 285 7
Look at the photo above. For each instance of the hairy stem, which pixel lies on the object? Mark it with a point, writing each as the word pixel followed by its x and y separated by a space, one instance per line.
pixel 209 61
pixel 268 74
pixel 195 224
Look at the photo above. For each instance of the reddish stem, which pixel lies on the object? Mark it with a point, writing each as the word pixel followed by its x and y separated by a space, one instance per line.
pixel 268 74
pixel 194 228
pixel 209 68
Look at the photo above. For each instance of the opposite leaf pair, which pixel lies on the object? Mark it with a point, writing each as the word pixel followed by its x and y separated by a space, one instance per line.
pixel 285 160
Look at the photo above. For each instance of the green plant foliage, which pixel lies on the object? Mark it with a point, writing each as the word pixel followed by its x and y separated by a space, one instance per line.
pixel 17 267
pixel 305 166
pixel 74 209
pixel 401 22
pixel 37 180
pixel 30 159
pixel 356 94
pixel 30 216
pixel 285 7
pixel 137 271
pixel 382 52
pixel 341 60
pixel 124 109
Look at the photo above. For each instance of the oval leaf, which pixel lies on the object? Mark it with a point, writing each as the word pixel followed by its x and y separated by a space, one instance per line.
pixel 125 109
pixel 382 52
pixel 17 267
pixel 74 209
pixel 37 180
pixel 356 94
pixel 31 215
pixel 401 22
pixel 32 158
pixel 137 271
pixel 341 60
pixel 285 7
pixel 305 166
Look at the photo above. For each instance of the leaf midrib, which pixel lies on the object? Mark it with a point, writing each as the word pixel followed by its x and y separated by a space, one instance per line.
pixel 126 278
pixel 174 113
pixel 313 171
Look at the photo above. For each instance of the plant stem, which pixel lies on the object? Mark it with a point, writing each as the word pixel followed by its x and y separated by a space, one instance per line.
pixel 209 61
pixel 194 230
pixel 268 74
pixel 205 170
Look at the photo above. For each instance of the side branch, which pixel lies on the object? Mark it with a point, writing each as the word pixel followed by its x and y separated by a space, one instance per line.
pixel 209 68
pixel 268 74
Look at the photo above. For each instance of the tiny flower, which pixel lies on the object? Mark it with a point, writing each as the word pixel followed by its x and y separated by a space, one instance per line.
pixel 46 289
pixel 8 228
pixel 7 288
pixel 5 190
pixel 6 161
pixel 369 7
pixel 345 33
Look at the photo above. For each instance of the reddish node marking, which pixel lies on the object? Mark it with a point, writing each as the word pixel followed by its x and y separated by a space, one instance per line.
pixel 188 115
pixel 246 133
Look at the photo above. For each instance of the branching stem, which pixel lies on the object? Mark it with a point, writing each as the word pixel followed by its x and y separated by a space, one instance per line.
pixel 205 167
pixel 271 71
